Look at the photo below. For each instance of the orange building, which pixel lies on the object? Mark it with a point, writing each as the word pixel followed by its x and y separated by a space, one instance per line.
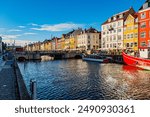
pixel 144 29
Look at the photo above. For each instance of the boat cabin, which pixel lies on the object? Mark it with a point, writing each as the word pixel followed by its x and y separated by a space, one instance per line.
pixel 145 53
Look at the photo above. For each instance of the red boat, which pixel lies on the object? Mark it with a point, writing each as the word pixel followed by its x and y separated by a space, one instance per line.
pixel 136 61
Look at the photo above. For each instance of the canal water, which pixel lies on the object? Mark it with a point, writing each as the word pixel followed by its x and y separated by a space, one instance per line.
pixel 79 80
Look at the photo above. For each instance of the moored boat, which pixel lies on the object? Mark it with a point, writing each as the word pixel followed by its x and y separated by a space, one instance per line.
pixel 95 58
pixel 136 61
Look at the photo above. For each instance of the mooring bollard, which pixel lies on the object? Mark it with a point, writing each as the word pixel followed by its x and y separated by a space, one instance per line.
pixel 33 89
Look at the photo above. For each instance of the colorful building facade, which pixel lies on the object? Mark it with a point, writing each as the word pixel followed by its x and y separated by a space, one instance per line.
pixel 144 29
pixel 131 32
pixel 89 39
pixel 63 42
pixel 113 31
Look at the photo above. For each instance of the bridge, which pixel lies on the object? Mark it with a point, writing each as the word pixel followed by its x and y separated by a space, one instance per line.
pixel 54 54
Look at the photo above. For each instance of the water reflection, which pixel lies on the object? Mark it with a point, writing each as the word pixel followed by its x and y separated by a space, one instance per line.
pixel 75 79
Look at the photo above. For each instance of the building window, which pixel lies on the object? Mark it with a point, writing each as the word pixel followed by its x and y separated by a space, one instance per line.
pixel 114 45
pixel 143 43
pixel 124 36
pixel 114 25
pixel 103 33
pixel 143 15
pixel 109 20
pixel 127 45
pixel 114 31
pixel 107 26
pixel 131 35
pixel 107 38
pixel 135 44
pixel 110 38
pixel 131 45
pixel 111 45
pixel 119 37
pixel 136 35
pixel 128 36
pixel 114 38
pixel 119 44
pixel 119 30
pixel 121 16
pixel 114 18
pixel 119 23
pixel 143 25
pixel 107 45
pixel 143 34
pixel 136 27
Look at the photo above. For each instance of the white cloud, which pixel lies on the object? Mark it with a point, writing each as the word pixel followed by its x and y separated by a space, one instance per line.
pixel 10 36
pixel 21 26
pixel 58 27
pixel 18 42
pixel 15 30
pixel 29 33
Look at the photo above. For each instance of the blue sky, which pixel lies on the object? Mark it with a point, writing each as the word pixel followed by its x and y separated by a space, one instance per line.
pixel 37 20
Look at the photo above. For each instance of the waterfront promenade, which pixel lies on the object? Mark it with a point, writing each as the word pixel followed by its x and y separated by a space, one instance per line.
pixel 11 84
pixel 7 81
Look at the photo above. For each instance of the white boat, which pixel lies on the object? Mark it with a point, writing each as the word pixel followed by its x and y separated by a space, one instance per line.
pixel 95 58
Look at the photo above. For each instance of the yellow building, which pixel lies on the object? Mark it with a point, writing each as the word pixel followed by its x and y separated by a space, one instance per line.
pixel 71 39
pixel 72 42
pixel 131 32
pixel 63 42
pixel 47 45
pixel 67 43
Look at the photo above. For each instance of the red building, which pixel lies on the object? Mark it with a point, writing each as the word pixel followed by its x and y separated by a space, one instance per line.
pixel 144 29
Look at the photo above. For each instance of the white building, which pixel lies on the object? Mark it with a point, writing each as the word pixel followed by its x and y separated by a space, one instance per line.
pixel 112 31
pixel 0 44
pixel 88 39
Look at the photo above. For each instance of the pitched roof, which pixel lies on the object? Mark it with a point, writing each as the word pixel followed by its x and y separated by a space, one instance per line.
pixel 124 13
pixel 145 5
pixel 73 32
pixel 90 30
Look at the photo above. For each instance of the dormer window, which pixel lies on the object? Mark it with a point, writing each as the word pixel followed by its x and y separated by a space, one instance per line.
pixel 145 6
pixel 109 20
pixel 114 18
pixel 121 16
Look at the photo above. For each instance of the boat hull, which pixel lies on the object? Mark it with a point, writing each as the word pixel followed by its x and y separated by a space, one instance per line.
pixel 94 60
pixel 136 62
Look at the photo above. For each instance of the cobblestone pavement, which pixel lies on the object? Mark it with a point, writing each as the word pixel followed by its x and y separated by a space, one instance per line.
pixel 7 81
